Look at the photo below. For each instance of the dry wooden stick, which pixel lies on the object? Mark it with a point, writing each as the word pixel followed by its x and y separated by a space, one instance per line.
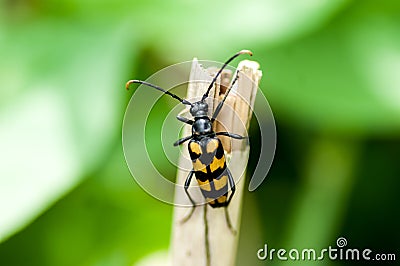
pixel 188 245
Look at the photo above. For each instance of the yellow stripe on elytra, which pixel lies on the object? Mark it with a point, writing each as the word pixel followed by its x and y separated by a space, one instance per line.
pixel 210 201
pixel 212 145
pixel 198 166
pixel 204 185
pixel 217 163
pixel 220 183
pixel 195 147
pixel 221 199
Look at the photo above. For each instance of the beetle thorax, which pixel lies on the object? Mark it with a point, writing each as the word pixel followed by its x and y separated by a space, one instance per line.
pixel 202 126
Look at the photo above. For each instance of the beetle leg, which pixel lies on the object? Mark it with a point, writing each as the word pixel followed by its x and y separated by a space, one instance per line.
pixel 231 135
pixel 228 221
pixel 187 184
pixel 182 140
pixel 233 189
pixel 232 184
pixel 185 120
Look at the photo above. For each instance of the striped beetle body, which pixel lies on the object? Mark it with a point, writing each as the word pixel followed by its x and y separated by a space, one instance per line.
pixel 210 169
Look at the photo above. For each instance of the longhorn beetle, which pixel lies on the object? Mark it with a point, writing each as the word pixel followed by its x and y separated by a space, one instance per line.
pixel 205 148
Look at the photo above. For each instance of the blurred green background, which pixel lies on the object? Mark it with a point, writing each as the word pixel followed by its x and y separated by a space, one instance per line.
pixel 331 73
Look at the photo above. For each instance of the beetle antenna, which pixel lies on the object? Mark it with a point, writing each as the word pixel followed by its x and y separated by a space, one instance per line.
pixel 222 68
pixel 158 88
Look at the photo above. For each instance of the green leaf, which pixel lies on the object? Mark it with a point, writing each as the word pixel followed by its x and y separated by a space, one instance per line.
pixel 60 110
pixel 343 78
